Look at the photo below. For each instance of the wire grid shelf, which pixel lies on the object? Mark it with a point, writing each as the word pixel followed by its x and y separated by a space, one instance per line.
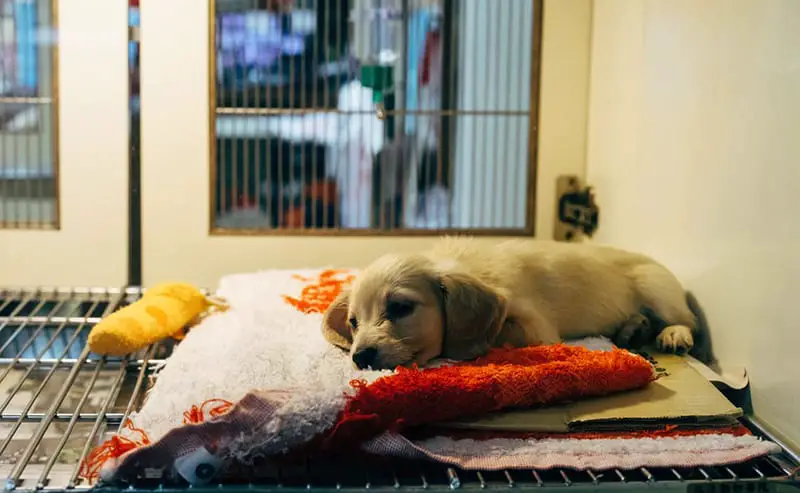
pixel 58 401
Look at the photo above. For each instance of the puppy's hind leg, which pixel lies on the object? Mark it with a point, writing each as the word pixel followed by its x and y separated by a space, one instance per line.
pixel 660 291
pixel 634 333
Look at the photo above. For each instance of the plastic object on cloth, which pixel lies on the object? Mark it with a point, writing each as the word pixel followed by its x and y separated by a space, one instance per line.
pixel 163 311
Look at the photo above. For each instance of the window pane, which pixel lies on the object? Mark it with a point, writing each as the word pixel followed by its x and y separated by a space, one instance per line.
pixel 28 170
pixel 373 116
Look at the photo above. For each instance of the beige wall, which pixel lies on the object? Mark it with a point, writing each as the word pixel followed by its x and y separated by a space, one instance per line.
pixel 694 140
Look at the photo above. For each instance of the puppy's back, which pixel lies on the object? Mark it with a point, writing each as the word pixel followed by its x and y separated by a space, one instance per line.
pixel 538 257
pixel 488 262
pixel 580 289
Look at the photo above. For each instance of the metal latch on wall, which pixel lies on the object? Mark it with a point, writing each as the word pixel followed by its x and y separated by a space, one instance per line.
pixel 577 213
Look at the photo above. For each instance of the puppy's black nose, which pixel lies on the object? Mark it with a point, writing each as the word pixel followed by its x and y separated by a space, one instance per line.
pixel 365 358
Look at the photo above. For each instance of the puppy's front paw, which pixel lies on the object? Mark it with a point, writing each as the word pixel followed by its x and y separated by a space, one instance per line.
pixel 675 339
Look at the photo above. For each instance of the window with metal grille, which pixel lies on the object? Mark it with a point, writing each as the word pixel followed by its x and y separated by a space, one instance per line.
pixel 374 116
pixel 28 122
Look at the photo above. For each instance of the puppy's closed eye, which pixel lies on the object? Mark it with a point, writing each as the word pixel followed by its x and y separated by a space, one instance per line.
pixel 397 309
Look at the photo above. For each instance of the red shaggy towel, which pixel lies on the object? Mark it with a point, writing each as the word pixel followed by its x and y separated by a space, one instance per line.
pixel 506 378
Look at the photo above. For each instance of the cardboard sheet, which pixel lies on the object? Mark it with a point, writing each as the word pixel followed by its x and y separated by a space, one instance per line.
pixel 681 395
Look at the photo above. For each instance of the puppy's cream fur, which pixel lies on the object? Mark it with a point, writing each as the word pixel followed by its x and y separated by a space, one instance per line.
pixel 460 298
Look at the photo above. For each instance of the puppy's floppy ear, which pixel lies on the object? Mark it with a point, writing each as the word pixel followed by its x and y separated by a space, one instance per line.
pixel 474 314
pixel 334 323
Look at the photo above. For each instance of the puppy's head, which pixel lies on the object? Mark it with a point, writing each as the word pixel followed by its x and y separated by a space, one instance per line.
pixel 403 310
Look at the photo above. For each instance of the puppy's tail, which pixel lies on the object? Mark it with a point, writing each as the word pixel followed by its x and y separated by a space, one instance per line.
pixel 702 349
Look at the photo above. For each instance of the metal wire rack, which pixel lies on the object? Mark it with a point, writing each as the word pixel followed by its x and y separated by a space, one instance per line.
pixel 58 401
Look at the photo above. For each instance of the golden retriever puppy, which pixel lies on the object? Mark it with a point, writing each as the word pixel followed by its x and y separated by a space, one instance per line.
pixel 460 298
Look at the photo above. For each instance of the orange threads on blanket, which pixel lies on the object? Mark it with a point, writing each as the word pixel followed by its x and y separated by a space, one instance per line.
pixel 358 383
pixel 318 295
pixel 116 446
pixel 211 407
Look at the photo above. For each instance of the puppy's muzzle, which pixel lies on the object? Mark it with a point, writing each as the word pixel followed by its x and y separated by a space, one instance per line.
pixel 366 358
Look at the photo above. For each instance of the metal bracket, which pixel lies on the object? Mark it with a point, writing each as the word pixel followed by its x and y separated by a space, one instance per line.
pixel 577 213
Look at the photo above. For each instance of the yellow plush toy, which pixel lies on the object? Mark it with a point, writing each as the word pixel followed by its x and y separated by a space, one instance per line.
pixel 163 311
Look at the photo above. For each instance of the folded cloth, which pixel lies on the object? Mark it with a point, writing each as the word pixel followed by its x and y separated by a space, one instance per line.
pixel 596 451
pixel 260 380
